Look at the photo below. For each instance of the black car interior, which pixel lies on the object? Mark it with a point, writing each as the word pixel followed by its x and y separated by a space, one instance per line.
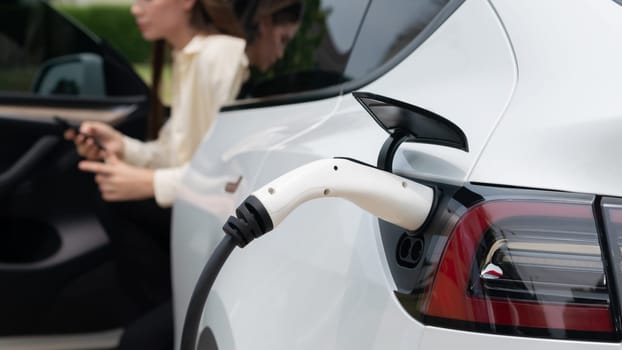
pixel 55 265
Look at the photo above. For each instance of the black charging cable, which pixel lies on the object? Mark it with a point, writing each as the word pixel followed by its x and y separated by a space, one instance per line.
pixel 200 293
pixel 251 221
pixel 392 198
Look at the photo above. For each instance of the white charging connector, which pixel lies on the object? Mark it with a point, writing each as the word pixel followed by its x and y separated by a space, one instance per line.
pixel 390 197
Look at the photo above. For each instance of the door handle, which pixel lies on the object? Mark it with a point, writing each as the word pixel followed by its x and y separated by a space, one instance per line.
pixel 231 187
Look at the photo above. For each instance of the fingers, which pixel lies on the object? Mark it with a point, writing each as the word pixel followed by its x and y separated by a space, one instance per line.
pixel 89 128
pixel 111 196
pixel 118 181
pixel 102 170
pixel 104 180
pixel 108 192
pixel 87 147
pixel 98 168
pixel 110 157
pixel 96 129
pixel 69 134
pixel 103 136
pixel 89 152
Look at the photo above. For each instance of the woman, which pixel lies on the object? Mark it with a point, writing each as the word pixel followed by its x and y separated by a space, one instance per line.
pixel 138 180
pixel 208 71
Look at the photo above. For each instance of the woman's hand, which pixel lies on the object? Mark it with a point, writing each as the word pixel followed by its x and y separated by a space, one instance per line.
pixel 119 181
pixel 104 134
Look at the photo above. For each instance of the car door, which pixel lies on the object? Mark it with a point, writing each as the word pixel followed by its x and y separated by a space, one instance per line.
pixel 298 95
pixel 321 279
pixel 56 274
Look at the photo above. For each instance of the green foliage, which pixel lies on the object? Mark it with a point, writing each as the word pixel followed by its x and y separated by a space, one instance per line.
pixel 115 24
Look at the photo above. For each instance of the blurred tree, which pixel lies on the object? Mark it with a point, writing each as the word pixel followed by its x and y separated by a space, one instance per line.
pixel 115 24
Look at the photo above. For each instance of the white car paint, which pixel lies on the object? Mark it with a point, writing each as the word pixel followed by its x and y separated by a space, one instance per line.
pixel 565 99
pixel 320 280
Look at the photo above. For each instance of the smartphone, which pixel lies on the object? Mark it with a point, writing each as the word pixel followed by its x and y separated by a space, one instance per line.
pixel 66 125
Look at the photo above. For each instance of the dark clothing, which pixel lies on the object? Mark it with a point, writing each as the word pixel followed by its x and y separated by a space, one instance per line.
pixel 139 233
pixel 152 331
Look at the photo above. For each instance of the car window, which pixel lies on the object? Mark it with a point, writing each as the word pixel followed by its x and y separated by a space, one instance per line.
pixel 388 29
pixel 317 56
pixel 359 40
pixel 44 53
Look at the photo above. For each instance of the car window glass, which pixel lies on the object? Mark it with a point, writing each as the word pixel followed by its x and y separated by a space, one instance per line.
pixel 389 26
pixel 317 56
pixel 44 53
pixel 16 69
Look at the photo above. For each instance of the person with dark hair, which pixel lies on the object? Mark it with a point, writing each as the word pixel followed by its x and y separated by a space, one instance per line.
pixel 208 70
pixel 273 26
pixel 213 42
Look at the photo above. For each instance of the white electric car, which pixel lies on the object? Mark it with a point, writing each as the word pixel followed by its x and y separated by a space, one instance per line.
pixel 522 247
pixel 510 111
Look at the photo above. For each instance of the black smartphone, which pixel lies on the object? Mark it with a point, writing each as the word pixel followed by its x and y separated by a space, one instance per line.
pixel 65 125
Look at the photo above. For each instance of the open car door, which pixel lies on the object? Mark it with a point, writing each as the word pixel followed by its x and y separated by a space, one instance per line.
pixel 58 280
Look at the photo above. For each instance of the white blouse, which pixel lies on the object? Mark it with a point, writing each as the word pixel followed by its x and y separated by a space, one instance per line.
pixel 207 73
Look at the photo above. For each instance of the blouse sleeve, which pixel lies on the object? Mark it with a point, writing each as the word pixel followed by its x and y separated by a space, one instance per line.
pixel 152 154
pixel 165 184
pixel 220 70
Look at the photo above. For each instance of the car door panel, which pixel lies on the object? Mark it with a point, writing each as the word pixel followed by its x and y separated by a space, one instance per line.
pixel 55 261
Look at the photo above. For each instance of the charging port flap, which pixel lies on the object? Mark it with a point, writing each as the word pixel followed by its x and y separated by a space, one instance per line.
pixel 408 123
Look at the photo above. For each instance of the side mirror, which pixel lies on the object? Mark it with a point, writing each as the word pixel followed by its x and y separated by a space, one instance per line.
pixel 79 74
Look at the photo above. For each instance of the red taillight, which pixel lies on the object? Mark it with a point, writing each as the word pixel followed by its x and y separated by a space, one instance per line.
pixel 523 265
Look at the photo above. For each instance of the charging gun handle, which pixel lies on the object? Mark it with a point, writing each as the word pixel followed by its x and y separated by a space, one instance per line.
pixel 390 197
